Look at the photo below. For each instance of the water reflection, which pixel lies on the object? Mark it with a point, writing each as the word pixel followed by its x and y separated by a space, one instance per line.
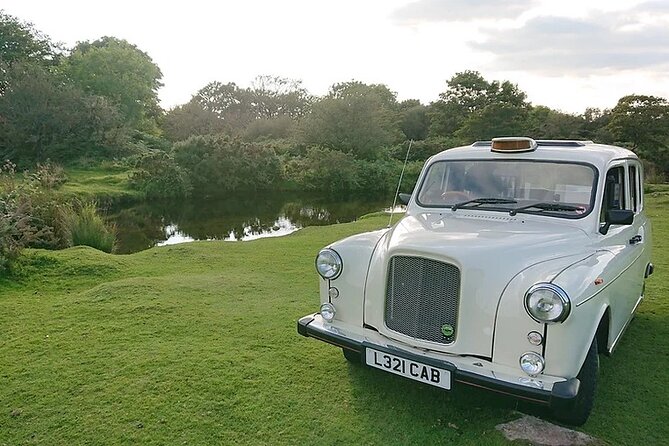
pixel 246 217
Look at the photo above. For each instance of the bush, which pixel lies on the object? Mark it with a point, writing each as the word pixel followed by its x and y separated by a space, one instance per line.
pixel 422 150
pixel 217 164
pixel 325 170
pixel 159 176
pixel 49 175
pixel 85 226
pixel 18 226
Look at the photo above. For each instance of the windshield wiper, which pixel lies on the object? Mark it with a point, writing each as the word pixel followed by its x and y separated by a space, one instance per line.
pixel 545 206
pixel 480 201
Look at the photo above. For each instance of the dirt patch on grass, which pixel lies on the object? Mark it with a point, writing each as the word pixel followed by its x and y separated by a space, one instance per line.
pixel 542 433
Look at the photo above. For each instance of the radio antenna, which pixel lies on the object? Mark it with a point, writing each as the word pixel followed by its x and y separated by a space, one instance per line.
pixel 399 184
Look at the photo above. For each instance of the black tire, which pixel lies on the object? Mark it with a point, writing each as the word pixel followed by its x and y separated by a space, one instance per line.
pixel 578 414
pixel 351 356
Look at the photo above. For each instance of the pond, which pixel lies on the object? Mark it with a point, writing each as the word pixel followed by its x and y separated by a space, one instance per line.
pixel 233 218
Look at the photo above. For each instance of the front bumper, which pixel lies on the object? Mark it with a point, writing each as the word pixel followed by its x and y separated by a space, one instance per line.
pixel 554 392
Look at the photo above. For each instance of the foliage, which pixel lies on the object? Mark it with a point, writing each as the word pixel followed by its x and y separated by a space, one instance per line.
pixel 281 127
pixel 191 119
pixel 643 122
pixel 422 150
pixel 217 164
pixel 122 73
pixel 84 226
pixel 473 108
pixel 355 118
pixel 157 175
pixel 18 226
pixel 21 43
pixel 414 120
pixel 45 117
pixel 270 99
pixel 49 175
pixel 325 170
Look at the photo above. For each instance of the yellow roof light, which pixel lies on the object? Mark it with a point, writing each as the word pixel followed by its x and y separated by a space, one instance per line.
pixel 513 144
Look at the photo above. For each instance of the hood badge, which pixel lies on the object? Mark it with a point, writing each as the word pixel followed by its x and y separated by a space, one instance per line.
pixel 447 330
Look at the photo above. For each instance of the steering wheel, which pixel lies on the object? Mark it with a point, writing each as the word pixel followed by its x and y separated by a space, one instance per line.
pixel 455 196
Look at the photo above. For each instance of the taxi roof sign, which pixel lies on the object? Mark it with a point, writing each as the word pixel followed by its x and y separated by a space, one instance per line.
pixel 513 144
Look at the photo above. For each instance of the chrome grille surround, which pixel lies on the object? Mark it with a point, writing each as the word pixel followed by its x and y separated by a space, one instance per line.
pixel 422 296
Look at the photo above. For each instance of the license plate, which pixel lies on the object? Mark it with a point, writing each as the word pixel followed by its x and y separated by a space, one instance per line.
pixel 408 368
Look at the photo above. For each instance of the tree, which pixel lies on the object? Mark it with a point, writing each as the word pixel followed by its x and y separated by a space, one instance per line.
pixel 414 119
pixel 268 106
pixel 545 123
pixel 274 97
pixel 643 122
pixel 20 42
pixel 354 118
pixel 470 101
pixel 122 73
pixel 191 119
pixel 45 117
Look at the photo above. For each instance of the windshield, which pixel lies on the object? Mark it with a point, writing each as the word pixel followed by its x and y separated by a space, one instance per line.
pixel 559 189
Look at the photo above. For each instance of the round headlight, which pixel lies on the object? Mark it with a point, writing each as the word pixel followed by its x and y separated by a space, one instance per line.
pixel 547 303
pixel 328 312
pixel 532 363
pixel 329 264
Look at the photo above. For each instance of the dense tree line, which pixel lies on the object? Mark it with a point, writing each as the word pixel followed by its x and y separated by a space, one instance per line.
pixel 99 100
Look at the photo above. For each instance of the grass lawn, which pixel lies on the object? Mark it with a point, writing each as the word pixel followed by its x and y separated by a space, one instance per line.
pixel 101 184
pixel 196 344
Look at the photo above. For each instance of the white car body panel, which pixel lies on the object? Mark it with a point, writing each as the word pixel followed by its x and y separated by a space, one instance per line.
pixel 500 256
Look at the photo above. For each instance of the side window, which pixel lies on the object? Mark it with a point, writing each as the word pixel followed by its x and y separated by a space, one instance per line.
pixel 634 187
pixel 614 191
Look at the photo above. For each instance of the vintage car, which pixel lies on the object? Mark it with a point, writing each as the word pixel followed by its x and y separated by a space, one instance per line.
pixel 516 264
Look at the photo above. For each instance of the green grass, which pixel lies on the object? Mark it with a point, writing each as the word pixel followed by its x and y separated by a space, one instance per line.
pixel 84 226
pixel 196 344
pixel 100 184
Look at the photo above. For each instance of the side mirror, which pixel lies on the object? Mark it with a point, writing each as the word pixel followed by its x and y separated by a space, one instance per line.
pixel 617 217
pixel 404 198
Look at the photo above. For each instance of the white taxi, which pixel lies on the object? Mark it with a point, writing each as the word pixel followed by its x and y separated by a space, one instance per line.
pixel 516 264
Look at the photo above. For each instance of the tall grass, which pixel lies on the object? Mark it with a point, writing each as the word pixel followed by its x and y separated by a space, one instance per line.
pixel 83 225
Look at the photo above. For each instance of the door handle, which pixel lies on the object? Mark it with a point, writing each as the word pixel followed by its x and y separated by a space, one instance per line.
pixel 636 239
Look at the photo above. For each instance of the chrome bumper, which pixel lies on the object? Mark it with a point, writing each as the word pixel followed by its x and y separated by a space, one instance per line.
pixel 551 391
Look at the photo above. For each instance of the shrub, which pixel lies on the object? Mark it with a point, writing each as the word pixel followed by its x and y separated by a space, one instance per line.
pixel 49 175
pixel 159 176
pixel 84 226
pixel 422 150
pixel 324 169
pixel 217 164
pixel 18 226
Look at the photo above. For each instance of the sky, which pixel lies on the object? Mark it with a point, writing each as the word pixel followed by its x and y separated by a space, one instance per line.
pixel 565 54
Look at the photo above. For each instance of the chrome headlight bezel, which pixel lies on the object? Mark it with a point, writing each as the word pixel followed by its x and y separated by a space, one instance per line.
pixel 560 296
pixel 323 255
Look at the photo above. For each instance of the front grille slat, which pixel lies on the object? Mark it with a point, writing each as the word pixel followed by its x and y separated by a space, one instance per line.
pixel 422 296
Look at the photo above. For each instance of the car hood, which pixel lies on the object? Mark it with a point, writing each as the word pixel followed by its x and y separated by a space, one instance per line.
pixel 489 248
pixel 464 235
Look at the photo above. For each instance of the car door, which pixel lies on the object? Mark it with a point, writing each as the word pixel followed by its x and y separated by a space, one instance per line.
pixel 622 241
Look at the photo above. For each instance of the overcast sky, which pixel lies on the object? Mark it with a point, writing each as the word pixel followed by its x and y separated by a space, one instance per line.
pixel 566 54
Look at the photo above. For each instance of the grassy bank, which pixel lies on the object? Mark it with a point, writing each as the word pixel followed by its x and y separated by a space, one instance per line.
pixel 104 185
pixel 196 344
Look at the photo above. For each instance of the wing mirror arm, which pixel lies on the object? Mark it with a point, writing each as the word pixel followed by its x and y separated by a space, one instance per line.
pixel 617 217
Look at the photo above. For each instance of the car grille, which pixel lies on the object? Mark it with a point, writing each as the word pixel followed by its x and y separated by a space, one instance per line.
pixel 422 297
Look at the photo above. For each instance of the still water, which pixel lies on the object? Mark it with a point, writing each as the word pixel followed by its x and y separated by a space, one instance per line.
pixel 233 218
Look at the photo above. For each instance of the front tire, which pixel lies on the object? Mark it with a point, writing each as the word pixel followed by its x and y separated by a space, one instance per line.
pixel 580 411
